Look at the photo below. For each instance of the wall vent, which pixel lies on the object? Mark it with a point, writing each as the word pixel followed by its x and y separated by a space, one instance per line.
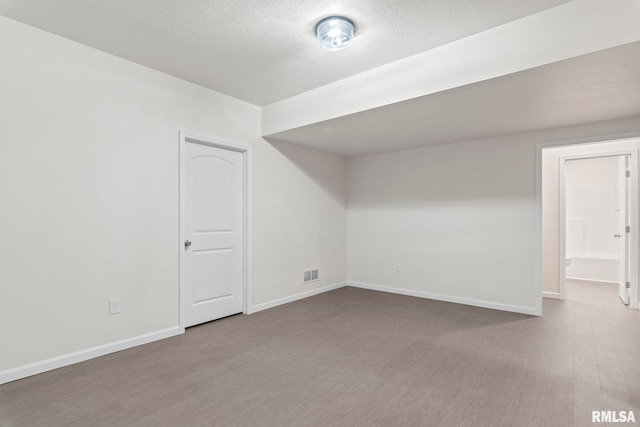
pixel 310 275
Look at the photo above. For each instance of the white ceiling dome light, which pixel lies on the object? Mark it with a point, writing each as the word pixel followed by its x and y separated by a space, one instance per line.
pixel 335 33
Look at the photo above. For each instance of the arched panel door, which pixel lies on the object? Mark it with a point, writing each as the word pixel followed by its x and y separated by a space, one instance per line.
pixel 213 231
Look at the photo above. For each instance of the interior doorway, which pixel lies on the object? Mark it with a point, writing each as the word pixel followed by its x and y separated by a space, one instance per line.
pixel 596 209
pixel 585 246
pixel 214 229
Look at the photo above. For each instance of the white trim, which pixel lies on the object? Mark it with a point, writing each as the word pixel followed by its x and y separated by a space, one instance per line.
pixel 296 297
pixel 562 229
pixel 248 229
pixel 538 255
pixel 181 233
pixel 82 355
pixel 553 295
pixel 634 291
pixel 447 298
pixel 247 213
pixel 200 139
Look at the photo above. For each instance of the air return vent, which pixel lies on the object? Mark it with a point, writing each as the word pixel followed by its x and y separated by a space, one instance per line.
pixel 310 275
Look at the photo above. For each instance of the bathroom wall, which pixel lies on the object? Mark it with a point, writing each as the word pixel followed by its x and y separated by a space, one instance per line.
pixel 591 203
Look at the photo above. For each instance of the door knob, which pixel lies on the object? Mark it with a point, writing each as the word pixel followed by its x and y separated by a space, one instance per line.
pixel 187 243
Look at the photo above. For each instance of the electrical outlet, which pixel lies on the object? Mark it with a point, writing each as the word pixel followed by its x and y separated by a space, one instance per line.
pixel 114 306
pixel 423 272
pixel 397 269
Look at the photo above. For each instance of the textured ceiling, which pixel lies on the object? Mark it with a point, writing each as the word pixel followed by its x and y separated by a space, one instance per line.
pixel 596 87
pixel 263 51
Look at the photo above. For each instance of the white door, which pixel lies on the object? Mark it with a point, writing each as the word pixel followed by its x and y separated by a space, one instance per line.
pixel 622 234
pixel 213 227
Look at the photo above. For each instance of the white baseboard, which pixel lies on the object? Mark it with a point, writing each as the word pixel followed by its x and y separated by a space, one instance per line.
pixel 82 355
pixel 296 297
pixel 447 298
pixel 554 295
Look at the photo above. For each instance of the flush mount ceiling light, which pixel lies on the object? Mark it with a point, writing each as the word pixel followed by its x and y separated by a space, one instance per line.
pixel 335 33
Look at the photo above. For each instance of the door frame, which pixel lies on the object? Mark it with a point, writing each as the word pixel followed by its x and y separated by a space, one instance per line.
pixel 604 136
pixel 245 150
pixel 633 210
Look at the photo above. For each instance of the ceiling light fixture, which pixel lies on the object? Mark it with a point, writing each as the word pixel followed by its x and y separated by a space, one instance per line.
pixel 335 33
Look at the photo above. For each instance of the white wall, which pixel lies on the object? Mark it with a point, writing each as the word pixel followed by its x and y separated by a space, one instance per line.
pixel 551 196
pixel 591 203
pixel 300 200
pixel 464 211
pixel 89 192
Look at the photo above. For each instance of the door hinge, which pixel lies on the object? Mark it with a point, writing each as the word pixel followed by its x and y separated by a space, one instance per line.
pixel 628 174
pixel 627 285
pixel 627 229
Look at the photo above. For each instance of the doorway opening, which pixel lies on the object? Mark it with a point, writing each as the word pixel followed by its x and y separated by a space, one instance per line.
pixel 595 209
pixel 589 219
